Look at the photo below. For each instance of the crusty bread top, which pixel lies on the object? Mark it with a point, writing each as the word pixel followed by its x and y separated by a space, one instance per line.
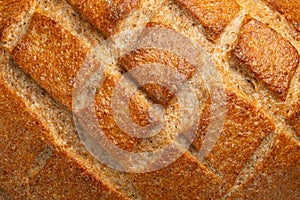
pixel 294 118
pixel 14 16
pixel 289 8
pixel 45 45
pixel 214 16
pixel 105 14
pixel 271 58
pixel 256 52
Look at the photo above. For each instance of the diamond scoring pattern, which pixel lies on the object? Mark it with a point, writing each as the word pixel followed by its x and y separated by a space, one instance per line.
pixel 261 49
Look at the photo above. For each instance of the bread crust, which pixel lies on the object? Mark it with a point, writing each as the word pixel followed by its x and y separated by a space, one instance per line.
pixel 245 128
pixel 289 9
pixel 11 12
pixel 294 118
pixel 214 15
pixel 51 56
pixel 103 15
pixel 31 166
pixel 141 57
pixel 257 153
pixel 270 57
pixel 277 175
pixel 170 182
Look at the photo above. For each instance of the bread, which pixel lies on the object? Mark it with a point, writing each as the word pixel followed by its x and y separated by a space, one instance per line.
pixel 255 47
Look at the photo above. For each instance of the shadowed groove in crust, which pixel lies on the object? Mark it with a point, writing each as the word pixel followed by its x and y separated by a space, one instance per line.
pixel 214 15
pixel 255 50
pixel 290 9
pixel 262 107
pixel 105 14
pixel 14 18
pixel 61 130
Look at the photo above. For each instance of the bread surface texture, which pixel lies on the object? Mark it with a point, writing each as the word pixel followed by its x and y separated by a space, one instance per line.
pixel 252 49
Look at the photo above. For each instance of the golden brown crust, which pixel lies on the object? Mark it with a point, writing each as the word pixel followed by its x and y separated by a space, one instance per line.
pixel 104 16
pixel 51 56
pixel 20 139
pixel 59 58
pixel 62 178
pixel 185 178
pixel 270 57
pixel 105 116
pixel 139 111
pixel 294 119
pixel 289 8
pixel 146 56
pixel 36 167
pixel 31 168
pixel 244 129
pixel 11 12
pixel 54 64
pixel 277 176
pixel 213 15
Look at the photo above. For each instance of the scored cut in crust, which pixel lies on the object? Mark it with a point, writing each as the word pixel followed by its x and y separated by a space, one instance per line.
pixel 277 176
pixel 105 15
pixel 28 153
pixel 51 56
pixel 270 57
pixel 244 129
pixel 290 10
pixel 213 15
pixel 51 53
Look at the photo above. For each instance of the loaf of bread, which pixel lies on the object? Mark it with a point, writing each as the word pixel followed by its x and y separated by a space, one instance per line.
pixel 254 46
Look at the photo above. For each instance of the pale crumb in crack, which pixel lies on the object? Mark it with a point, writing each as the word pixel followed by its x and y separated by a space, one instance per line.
pixel 260 11
pixel 59 121
pixel 18 30
pixel 256 158
pixel 206 163
pixel 249 168
pixel 40 161
pixel 175 17
pixel 140 17
pixel 70 19
pixel 228 39
pixel 241 78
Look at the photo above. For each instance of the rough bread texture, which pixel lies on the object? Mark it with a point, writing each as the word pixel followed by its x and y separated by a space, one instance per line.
pixel 254 45
pixel 13 19
pixel 270 57
pixel 289 9
pixel 105 15
pixel 214 16
pixel 56 47
pixel 31 162
pixel 294 119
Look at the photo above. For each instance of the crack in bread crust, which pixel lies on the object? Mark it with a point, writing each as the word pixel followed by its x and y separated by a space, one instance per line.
pixel 51 56
pixel 189 177
pixel 105 15
pixel 270 57
pixel 214 15
pixel 290 9
pixel 294 118
pixel 279 171
pixel 244 129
